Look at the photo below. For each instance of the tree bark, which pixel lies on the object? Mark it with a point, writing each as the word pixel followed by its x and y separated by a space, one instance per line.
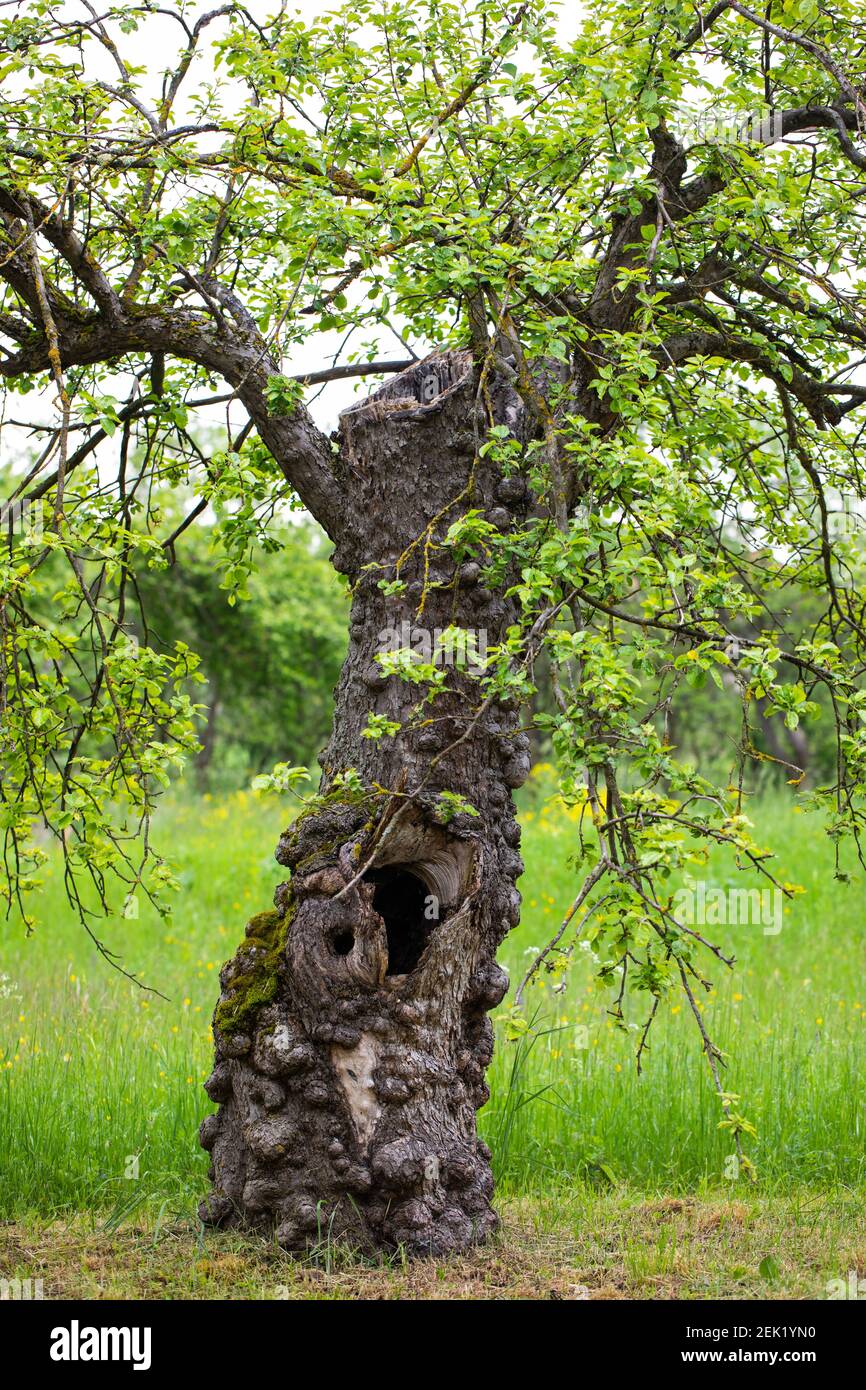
pixel 352 1034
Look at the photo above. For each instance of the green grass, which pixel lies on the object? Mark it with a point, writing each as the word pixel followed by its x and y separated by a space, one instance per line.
pixel 99 1081
pixel 791 1018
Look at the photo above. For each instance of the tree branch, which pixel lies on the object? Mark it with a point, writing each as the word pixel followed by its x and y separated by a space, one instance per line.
pixel 698 343
pixel 241 357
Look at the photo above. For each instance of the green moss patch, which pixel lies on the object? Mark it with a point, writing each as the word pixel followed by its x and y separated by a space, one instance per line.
pixel 256 970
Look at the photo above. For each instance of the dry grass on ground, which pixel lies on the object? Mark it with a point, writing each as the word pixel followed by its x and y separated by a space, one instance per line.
pixel 575 1245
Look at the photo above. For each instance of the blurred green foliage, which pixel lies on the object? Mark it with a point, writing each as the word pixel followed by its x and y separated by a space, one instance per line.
pixel 270 662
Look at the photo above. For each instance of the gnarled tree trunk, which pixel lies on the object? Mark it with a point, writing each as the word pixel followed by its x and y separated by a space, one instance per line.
pixel 352 1034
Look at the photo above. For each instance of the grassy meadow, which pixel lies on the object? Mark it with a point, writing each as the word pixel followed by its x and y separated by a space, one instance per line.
pixel 609 1183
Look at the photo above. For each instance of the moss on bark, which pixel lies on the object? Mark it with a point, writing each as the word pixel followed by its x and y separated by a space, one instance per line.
pixel 251 981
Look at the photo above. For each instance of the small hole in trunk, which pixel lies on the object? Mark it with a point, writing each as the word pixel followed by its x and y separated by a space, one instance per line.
pixel 400 899
pixel 343 942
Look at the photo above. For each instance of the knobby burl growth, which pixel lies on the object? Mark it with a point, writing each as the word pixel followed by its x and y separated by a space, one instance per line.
pixel 352 1034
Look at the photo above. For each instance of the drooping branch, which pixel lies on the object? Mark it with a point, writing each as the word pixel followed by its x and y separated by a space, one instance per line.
pixel 241 356
pixel 813 394
pixel 715 272
pixel 674 200
pixel 799 41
